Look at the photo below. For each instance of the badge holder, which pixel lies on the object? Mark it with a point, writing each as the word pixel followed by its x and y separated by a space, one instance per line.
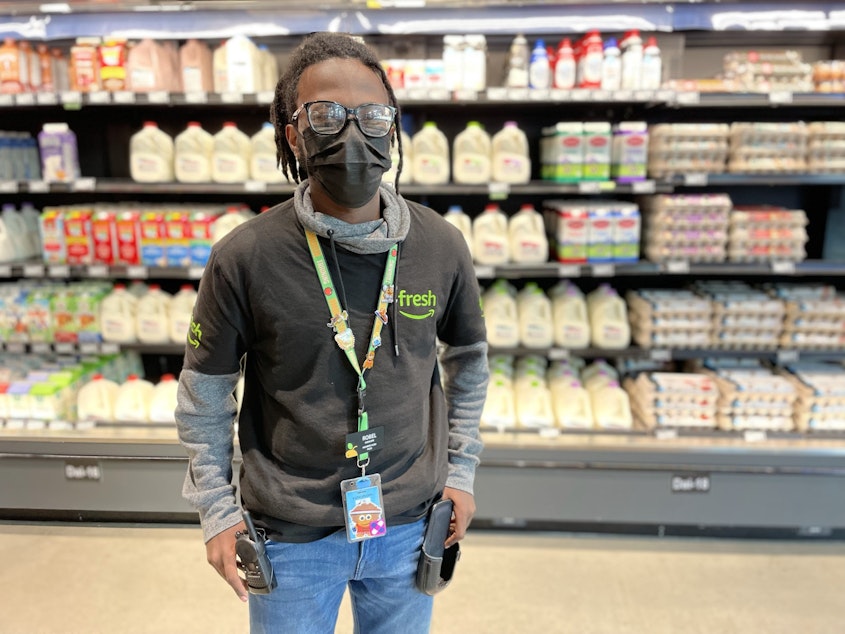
pixel 437 563
pixel 363 510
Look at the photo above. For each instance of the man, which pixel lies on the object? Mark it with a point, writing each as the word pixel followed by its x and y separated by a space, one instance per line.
pixel 337 299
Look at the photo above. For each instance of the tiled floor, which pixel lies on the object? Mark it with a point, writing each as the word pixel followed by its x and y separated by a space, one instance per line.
pixel 74 579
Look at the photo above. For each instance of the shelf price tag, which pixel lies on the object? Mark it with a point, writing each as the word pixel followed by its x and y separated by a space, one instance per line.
pixel 159 96
pixel 497 94
pixel 644 187
pixel 64 348
pixel 623 95
pixel 558 354
pixel 417 94
pixel 688 98
pixel 195 272
pixel 109 348
pixel 558 94
pixel 5 270
pixel 660 355
pixel 485 272
pixel 84 185
pixel 15 347
pixel 644 95
pixel 787 356
pixel 754 435
pixel 99 97
pixel 232 97
pixel 124 97
pixel 137 272
pixel 601 95
pixel 666 433
pixel 196 97
pixel 539 94
pixel 8 187
pixel 780 96
pixel 466 95
pixel 498 191
pixel 70 98
pixel 25 99
pixel 549 432
pixel 439 94
pixel 783 268
pixel 265 96
pixel 98 270
pixel 89 348
pixel 33 270
pixel 47 98
pixel 400 93
pixel 589 187
pixel 603 270
pixel 6 101
pixel 677 267
pixel 255 186
pixel 38 187
pixel 518 94
pixel 580 95
pixel 568 270
pixel 695 180
pixel 58 270
pixel 40 348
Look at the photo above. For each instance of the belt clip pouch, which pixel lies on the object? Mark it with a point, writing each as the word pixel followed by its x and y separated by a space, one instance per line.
pixel 437 563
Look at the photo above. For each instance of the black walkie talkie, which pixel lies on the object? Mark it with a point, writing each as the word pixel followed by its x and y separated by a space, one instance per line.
pixel 253 560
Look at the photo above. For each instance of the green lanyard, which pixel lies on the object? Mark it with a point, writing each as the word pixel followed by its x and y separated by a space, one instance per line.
pixel 344 337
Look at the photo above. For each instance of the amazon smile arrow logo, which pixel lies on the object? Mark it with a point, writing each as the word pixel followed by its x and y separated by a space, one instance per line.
pixel 430 313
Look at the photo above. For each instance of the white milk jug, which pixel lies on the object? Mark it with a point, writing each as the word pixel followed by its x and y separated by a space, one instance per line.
pixel 471 156
pixel 490 236
pixel 511 163
pixel 569 310
pixel 535 317
pixel 133 400
pixel 181 310
pixel 527 237
pixel 118 312
pixel 231 155
pixel 611 407
pixel 226 222
pixel 96 399
pixel 534 403
pixel 244 68
pixel 608 319
pixel 430 156
pixel 500 406
pixel 407 175
pixel 455 216
pixel 194 148
pixel 163 402
pixel 572 406
pixel 153 320
pixel 501 316
pixel 263 165
pixel 151 155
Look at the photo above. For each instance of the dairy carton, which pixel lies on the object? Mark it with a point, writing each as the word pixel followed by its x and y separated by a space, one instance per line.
pixel 201 237
pixel 128 237
pixel 59 153
pixel 597 151
pixel 63 306
pixel 600 235
pixel 626 233
pixel 177 228
pixel 571 232
pixel 630 151
pixel 79 239
pixel 564 152
pixel 153 235
pixel 103 232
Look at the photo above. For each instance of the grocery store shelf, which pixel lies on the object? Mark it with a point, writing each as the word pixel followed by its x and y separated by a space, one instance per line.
pixel 39 270
pixel 17 347
pixel 780 356
pixel 668 433
pixel 772 179
pixel 776 99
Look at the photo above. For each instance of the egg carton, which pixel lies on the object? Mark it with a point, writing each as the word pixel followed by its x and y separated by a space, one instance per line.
pixel 768 216
pixel 755 422
pixel 760 305
pixel 826 130
pixel 741 233
pixel 669 322
pixel 685 222
pixel 811 424
pixel 732 322
pixel 768 165
pixel 674 302
pixel 816 308
pixel 795 292
pixel 813 341
pixel 825 326
pixel 686 236
pixel 673 339
pixel 698 202
pixel 689 253
pixel 768 254
pixel 689 131
pixel 675 418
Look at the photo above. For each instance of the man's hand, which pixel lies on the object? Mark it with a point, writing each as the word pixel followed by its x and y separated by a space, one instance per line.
pixel 220 552
pixel 463 508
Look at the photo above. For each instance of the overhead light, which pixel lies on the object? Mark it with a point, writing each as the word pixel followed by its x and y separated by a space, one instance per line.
pixel 54 7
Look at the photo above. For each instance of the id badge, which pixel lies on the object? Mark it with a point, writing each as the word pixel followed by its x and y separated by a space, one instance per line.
pixel 362 508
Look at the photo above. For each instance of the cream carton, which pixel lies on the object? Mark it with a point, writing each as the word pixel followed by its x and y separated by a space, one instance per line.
pixel 630 151
pixel 564 152
pixel 177 228
pixel 79 239
pixel 59 154
pixel 103 232
pixel 201 237
pixel 626 233
pixel 128 237
pixel 153 237
pixel 572 233
pixel 52 230
pixel 597 151
pixel 600 227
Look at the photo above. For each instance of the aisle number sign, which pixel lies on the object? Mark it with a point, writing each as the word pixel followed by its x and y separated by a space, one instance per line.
pixel 691 483
pixel 83 469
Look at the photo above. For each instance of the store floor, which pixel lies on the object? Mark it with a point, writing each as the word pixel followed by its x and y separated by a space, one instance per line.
pixel 79 579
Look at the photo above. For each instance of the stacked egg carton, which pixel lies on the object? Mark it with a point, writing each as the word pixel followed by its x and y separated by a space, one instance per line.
pixel 681 148
pixel 815 316
pixel 693 228
pixel 673 399
pixel 768 148
pixel 671 318
pixel 821 396
pixel 764 233
pixel 768 71
pixel 826 147
pixel 744 318
pixel 753 398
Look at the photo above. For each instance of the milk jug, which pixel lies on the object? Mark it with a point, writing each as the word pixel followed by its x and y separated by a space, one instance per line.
pixel 96 399
pixel 220 69
pixel 599 374
pixel 153 320
pixel 455 216
pixel 608 319
pixel 133 400
pixel 117 315
pixel 31 219
pixel 151 155
pixel 231 155
pixel 430 156
pixel 490 236
pixel 225 223
pixel 527 237
pixel 9 242
pixel 243 66
pixel 264 166
pixel 269 69
pixel 181 309
pixel 15 230
pixel 501 316
pixel 572 405
pixel 511 163
pixel 500 406
pixel 569 310
pixel 195 61
pixel 534 404
pixel 163 403
pixel 611 407
pixel 193 149
pixel 471 156
pixel 407 175
pixel 535 317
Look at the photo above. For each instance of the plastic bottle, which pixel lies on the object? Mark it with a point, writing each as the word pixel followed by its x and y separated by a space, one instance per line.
pixel 430 155
pixel 565 67
pixel 608 319
pixel 231 155
pixel 96 399
pixel 453 61
pixel 10 238
pixel 569 310
pixel 455 216
pixel 471 156
pixel 196 67
pixel 611 69
pixel 535 317
pixel 269 69
pixel 118 312
pixel 500 405
pixel 611 407
pixel 651 74
pixel 534 404
pixel 571 404
pixel 539 72
pixel 193 149
pixel 527 236
pixel 24 64
pixel 163 400
pixel 151 155
pixel 45 65
pixel 180 311
pixel 511 162
pixel 490 236
pixel 226 222
pixel 34 67
pixel 632 60
pixel 263 165
pixel 518 58
pixel 220 68
pixel 243 65
pixel 407 175
pixel 152 319
pixel 10 81
pixel 31 219
pixel 500 315
pixel 133 400
pixel 592 58
pixel 475 63
pixel 61 70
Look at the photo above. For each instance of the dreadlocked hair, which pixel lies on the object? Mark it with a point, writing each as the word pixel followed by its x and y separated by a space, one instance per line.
pixel 314 49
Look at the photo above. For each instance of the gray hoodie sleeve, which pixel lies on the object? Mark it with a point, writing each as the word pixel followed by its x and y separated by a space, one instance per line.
pixel 205 414
pixel 465 377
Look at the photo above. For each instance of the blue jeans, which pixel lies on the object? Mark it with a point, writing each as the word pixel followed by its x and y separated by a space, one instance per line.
pixel 312 577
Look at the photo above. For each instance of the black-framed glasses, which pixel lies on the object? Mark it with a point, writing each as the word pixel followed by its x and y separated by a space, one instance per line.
pixel 330 117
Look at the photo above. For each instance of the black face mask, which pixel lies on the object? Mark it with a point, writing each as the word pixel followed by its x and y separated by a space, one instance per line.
pixel 348 165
